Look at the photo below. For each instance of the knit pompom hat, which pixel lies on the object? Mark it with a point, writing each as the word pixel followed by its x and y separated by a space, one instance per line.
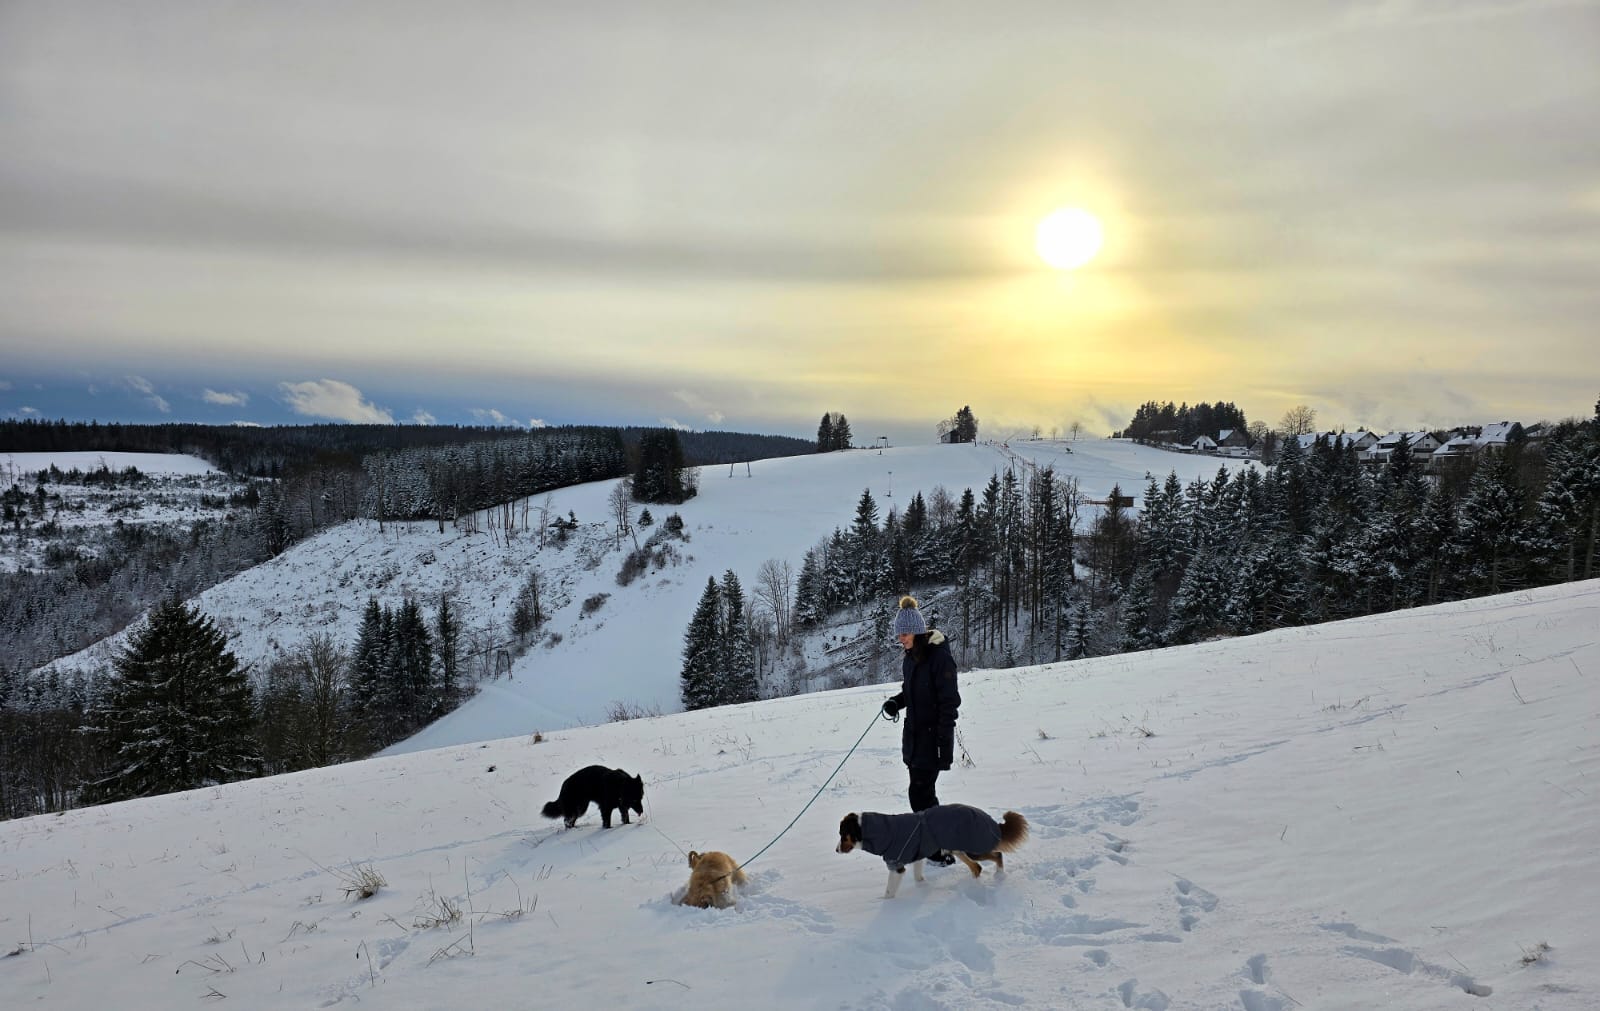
pixel 909 620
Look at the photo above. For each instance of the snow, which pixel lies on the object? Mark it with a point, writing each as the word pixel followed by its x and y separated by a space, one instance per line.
pixel 1395 811
pixel 629 650
pixel 148 463
pixel 178 491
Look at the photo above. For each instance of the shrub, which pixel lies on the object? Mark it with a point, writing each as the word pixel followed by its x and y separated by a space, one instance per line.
pixel 595 602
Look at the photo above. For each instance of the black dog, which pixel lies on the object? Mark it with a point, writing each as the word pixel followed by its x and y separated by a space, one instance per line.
pixel 609 788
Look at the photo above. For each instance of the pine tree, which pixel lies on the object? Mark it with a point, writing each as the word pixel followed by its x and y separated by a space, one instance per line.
pixel 1078 644
pixel 412 695
pixel 177 715
pixel 737 680
pixel 701 646
pixel 866 548
pixel 449 688
pixel 825 434
pixel 808 592
pixel 660 476
pixel 1491 515
pixel 1137 632
pixel 841 432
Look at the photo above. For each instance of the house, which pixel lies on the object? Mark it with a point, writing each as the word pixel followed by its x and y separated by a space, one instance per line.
pixel 1494 438
pixel 1233 437
pixel 1422 446
pixel 1362 441
pixel 1203 444
pixel 1457 447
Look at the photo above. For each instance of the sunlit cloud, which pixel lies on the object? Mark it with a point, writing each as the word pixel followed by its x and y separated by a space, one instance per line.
pixel 490 416
pixel 421 417
pixel 246 424
pixel 143 386
pixel 674 423
pixel 333 399
pixel 27 410
pixel 234 399
pixel 537 423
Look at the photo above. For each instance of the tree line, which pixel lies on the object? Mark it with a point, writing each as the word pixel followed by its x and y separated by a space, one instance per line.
pixel 1182 423
pixel 1318 537
pixel 178 711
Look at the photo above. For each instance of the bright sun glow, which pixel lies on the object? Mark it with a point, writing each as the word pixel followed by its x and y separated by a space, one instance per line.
pixel 1068 238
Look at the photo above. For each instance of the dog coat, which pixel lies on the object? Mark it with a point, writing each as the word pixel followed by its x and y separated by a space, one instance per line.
pixel 905 838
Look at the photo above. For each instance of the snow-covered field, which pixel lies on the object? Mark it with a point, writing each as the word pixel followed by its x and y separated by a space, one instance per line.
pixel 630 649
pixel 1395 812
pixel 177 491
pixel 13 465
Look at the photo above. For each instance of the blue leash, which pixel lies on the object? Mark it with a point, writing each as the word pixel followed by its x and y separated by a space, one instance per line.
pixel 824 785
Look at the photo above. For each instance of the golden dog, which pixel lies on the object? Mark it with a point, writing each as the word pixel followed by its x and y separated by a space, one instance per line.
pixel 711 879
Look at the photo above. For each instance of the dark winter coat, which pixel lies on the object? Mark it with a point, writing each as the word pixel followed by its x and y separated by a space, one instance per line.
pixel 929 698
pixel 903 838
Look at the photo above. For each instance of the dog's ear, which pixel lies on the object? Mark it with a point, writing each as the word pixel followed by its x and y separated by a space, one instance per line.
pixel 694 858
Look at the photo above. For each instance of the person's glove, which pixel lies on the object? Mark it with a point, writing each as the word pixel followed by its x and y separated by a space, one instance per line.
pixel 891 708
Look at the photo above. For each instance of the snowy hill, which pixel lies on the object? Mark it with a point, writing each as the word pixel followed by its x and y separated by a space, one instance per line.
pixel 628 649
pixel 1395 812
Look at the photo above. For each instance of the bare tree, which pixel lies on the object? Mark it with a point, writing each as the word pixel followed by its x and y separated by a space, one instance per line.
pixel 773 589
pixel 544 517
pixel 621 504
pixel 322 666
pixel 1298 420
pixel 1076 428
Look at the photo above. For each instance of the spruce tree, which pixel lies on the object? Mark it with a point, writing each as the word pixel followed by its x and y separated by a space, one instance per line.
pixel 447 654
pixel 177 715
pixel 825 433
pixel 701 646
pixel 1078 645
pixel 737 681
pixel 1137 632
pixel 841 432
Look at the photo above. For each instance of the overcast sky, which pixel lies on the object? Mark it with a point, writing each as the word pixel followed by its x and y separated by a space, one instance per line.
pixel 741 215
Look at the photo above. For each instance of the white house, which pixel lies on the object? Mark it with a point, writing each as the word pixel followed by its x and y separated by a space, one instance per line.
pixel 1422 446
pixel 1204 444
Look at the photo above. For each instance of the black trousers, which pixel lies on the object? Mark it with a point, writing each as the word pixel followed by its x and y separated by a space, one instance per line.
pixel 922 793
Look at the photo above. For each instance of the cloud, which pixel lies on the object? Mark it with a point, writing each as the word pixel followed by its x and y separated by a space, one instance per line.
pixel 491 417
pixel 234 399
pixel 698 403
pixel 141 385
pixel 674 423
pixel 538 423
pixel 245 424
pixel 331 398
pixel 27 410
pixel 421 417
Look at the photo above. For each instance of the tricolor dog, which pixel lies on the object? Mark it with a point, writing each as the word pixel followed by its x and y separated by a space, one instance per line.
pixel 908 839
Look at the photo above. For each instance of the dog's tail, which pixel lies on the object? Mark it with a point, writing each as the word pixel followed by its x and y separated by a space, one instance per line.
pixel 1013 832
pixel 553 809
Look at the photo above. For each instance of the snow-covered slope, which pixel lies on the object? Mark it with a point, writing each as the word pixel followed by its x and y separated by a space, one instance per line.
pixel 1394 812
pixel 629 649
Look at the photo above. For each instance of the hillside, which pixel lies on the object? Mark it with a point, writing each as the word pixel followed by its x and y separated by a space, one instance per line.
pixel 628 649
pixel 1392 812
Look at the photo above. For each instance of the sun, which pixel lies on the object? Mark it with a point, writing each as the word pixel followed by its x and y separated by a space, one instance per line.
pixel 1068 237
